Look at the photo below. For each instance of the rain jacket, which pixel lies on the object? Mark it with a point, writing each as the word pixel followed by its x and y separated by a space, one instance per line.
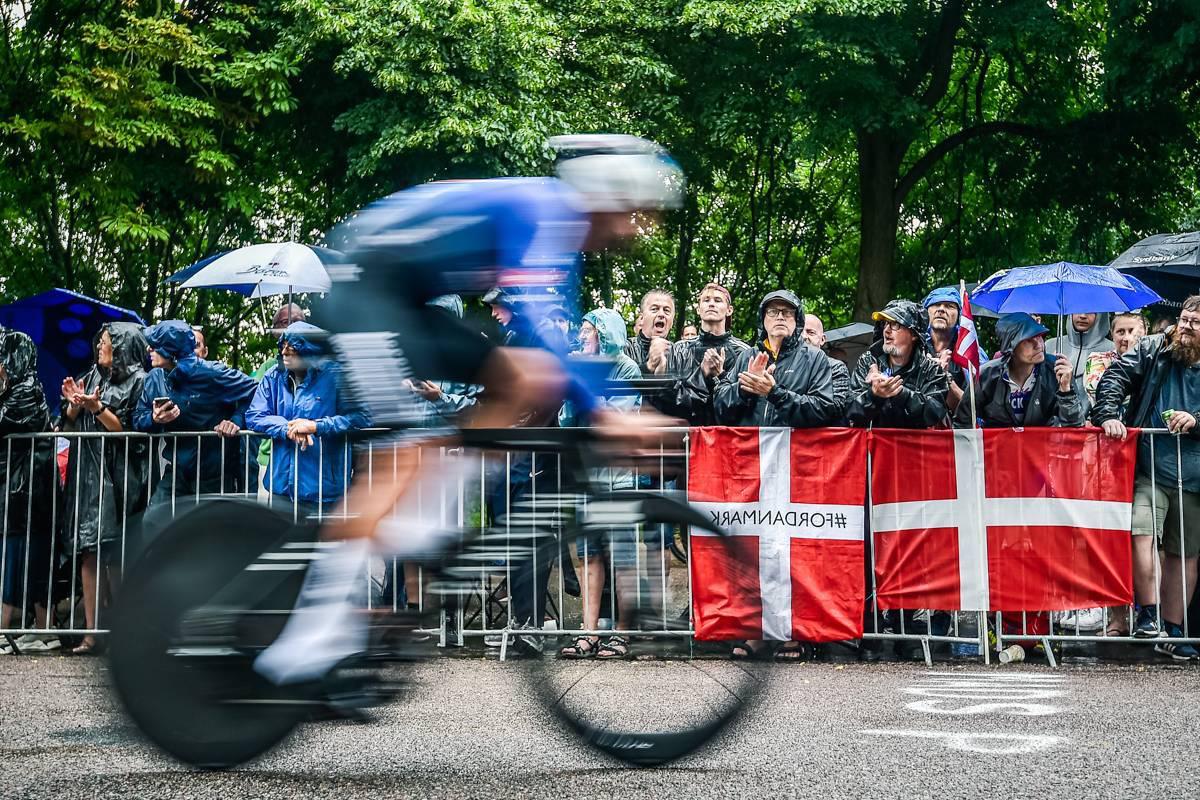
pixel 945 294
pixel 921 403
pixel 1046 406
pixel 106 477
pixel 803 393
pixel 1078 346
pixel 691 395
pixel 841 389
pixel 320 471
pixel 1138 375
pixel 456 397
pixel 206 392
pixel 611 329
pixel 26 465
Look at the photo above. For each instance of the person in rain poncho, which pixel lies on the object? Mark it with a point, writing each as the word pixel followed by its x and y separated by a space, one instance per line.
pixel 106 477
pixel 182 394
pixel 27 467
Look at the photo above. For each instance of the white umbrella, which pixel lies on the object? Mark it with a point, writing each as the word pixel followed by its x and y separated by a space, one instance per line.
pixel 262 270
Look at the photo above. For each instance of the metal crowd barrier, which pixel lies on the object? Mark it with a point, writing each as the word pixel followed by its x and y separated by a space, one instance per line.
pixel 49 589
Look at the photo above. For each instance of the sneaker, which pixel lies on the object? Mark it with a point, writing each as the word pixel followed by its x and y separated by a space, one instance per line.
pixel 1181 651
pixel 1085 619
pixel 1147 626
pixel 44 643
pixel 530 645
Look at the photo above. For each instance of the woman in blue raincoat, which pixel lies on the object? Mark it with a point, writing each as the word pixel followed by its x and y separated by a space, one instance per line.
pixel 298 406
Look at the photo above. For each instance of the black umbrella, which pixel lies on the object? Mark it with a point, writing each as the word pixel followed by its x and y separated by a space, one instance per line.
pixel 1169 263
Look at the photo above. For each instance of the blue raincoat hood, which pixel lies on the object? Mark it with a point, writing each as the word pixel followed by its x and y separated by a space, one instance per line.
pixel 450 302
pixel 611 327
pixel 173 338
pixel 1012 329
pixel 302 337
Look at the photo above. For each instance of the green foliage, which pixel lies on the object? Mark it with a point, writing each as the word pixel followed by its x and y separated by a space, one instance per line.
pixel 846 149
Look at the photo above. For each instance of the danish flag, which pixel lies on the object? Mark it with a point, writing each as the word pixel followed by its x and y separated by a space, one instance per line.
pixel 793 502
pixel 1002 519
pixel 966 349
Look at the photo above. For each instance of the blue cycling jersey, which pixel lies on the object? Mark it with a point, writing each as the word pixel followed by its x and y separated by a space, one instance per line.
pixel 523 235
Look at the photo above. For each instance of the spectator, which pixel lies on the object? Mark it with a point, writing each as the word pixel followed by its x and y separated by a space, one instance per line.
pixel 895 383
pixel 650 348
pixel 201 343
pixel 445 401
pixel 27 470
pixel 286 315
pixel 689 332
pixel 298 402
pixel 557 316
pixel 603 334
pixel 1088 334
pixel 106 477
pixel 1021 388
pixel 784 381
pixel 517 329
pixel 943 306
pixel 701 363
pixel 181 394
pixel 814 334
pixel 1128 328
pixel 1161 379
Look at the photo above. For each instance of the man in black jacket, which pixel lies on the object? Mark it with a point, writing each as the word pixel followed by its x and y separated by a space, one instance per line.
pixel 1161 379
pixel 699 364
pixel 650 348
pixel 814 334
pixel 1021 388
pixel 783 381
pixel 896 384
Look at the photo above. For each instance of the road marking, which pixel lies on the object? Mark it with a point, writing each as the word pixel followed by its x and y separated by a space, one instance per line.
pixel 996 744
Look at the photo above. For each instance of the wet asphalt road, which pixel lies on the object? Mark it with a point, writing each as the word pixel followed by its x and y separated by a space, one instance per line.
pixel 469 729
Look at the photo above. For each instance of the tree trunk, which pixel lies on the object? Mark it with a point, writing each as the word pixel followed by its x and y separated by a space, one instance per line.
pixel 878 170
pixel 683 260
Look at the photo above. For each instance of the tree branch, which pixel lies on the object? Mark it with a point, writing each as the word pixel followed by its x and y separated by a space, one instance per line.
pixel 943 148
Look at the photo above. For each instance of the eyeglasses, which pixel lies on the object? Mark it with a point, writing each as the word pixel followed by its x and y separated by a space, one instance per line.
pixel 1190 322
pixel 778 313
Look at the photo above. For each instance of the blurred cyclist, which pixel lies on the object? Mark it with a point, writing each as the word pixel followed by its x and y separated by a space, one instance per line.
pixel 523 235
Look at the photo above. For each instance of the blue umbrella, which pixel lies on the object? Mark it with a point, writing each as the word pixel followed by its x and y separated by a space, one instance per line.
pixel 1062 288
pixel 62 324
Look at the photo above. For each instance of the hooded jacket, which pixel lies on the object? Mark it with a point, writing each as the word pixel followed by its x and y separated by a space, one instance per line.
pixel 26 464
pixel 803 393
pixel 317 473
pixel 456 398
pixel 206 393
pixel 945 294
pixel 921 402
pixel 610 328
pixel 106 477
pixel 1046 406
pixel 1078 346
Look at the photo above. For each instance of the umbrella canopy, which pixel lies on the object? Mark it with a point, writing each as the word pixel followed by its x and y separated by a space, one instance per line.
pixel 1062 288
pixel 62 324
pixel 849 342
pixel 1169 263
pixel 262 270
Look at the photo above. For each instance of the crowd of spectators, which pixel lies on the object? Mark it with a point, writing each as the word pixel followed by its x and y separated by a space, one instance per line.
pixel 281 433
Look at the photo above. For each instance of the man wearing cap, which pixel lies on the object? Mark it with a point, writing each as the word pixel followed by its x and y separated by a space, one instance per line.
pixel 896 384
pixel 783 381
pixel 1022 388
pixel 703 362
pixel 942 306
pixel 285 316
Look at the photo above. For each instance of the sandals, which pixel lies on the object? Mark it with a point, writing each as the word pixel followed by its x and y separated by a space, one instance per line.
pixel 792 651
pixel 745 651
pixel 614 647
pixel 88 648
pixel 582 647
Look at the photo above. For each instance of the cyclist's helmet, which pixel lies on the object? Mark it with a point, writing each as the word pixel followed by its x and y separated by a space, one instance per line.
pixel 616 172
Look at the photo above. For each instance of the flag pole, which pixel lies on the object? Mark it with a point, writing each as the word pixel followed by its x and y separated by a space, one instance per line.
pixel 962 290
pixel 980 616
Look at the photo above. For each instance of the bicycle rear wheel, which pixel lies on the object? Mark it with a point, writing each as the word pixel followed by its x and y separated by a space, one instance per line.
pixel 191 617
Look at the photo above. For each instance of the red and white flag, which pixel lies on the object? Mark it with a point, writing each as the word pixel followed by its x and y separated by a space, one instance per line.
pixel 793 502
pixel 966 349
pixel 1002 519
